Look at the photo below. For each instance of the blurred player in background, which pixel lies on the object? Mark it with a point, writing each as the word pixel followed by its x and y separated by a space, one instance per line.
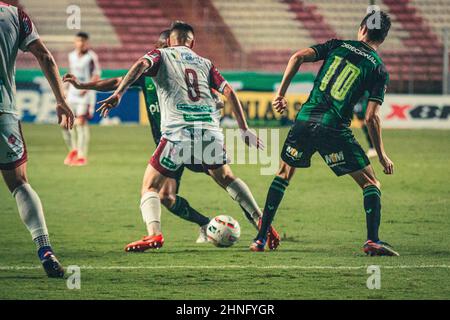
pixel 360 112
pixel 189 113
pixel 83 63
pixel 18 32
pixel 349 69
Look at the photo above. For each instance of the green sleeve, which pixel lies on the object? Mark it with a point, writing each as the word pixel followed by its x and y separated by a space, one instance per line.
pixel 323 49
pixel 379 83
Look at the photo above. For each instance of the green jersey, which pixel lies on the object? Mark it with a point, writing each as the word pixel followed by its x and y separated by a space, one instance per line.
pixel 349 69
pixel 151 105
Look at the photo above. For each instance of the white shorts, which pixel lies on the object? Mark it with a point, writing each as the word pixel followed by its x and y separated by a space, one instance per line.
pixel 205 150
pixel 13 152
pixel 82 109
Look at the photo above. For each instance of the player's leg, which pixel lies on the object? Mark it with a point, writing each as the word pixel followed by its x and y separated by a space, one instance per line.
pixel 273 200
pixel 150 206
pixel 371 187
pixel 296 153
pixel 214 161
pixel 150 201
pixel 180 207
pixel 70 139
pixel 238 190
pixel 162 165
pixel 344 155
pixel 83 134
pixel 28 203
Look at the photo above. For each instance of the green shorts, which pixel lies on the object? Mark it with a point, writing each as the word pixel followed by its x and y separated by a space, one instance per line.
pixel 338 148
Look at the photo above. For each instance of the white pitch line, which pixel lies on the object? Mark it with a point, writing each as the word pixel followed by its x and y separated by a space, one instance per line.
pixel 230 267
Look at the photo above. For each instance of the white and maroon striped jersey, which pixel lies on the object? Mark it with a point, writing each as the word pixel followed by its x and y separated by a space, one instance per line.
pixel 17 31
pixel 184 81
pixel 84 67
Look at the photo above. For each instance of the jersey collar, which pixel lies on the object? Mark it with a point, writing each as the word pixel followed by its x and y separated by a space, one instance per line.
pixel 368 46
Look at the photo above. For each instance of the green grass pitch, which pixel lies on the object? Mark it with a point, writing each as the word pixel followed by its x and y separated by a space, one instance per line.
pixel 92 212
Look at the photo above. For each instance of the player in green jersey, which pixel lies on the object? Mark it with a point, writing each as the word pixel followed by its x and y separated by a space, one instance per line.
pixel 349 69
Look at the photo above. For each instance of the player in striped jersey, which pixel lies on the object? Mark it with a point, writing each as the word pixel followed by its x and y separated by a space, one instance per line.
pixel 189 122
pixel 17 32
pixel 169 192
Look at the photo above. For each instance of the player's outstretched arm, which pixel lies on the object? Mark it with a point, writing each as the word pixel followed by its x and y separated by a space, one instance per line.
pixel 249 137
pixel 373 123
pixel 50 69
pixel 104 85
pixel 301 56
pixel 131 77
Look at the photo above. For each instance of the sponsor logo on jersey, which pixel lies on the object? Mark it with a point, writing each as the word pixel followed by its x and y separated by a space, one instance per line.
pixel 202 117
pixel 194 108
pixel 190 58
pixel 335 159
pixel 360 52
pixel 293 153
pixel 154 108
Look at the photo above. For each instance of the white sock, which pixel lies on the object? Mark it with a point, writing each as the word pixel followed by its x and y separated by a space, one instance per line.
pixel 70 139
pixel 83 140
pixel 31 211
pixel 241 193
pixel 151 212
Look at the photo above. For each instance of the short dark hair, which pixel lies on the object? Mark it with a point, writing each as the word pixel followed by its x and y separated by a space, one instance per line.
pixel 183 29
pixel 162 39
pixel 83 35
pixel 378 32
pixel 164 35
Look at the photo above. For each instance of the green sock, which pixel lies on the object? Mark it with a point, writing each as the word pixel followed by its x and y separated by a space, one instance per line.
pixel 273 200
pixel 182 209
pixel 372 207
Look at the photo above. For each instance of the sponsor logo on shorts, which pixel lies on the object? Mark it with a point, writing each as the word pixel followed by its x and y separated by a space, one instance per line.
pixel 293 153
pixel 12 139
pixel 335 159
pixel 168 164
pixel 16 148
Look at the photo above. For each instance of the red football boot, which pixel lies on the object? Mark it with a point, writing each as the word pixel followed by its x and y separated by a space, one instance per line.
pixel 379 248
pixel 147 242
pixel 273 238
pixel 79 162
pixel 257 246
pixel 71 157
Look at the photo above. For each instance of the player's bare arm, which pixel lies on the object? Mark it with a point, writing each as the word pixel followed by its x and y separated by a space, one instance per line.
pixel 301 56
pixel 104 85
pixel 95 78
pixel 131 77
pixel 373 123
pixel 50 69
pixel 249 137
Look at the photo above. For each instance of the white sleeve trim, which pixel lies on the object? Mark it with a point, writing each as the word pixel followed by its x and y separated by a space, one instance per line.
pixel 222 86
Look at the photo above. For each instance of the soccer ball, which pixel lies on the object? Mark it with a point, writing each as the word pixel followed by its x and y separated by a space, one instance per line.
pixel 223 231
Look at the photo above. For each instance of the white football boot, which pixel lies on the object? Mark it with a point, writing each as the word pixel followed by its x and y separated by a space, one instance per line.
pixel 202 237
